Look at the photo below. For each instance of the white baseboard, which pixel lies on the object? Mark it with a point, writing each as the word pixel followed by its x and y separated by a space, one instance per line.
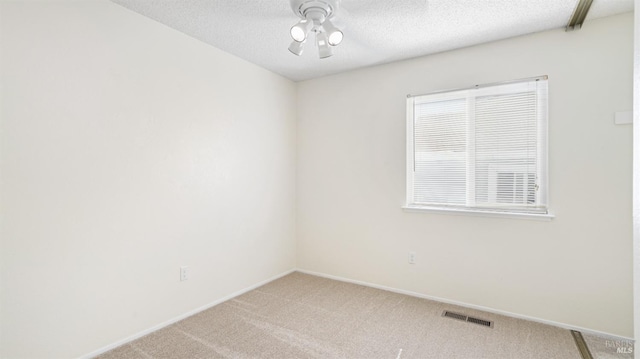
pixel 466 305
pixel 181 317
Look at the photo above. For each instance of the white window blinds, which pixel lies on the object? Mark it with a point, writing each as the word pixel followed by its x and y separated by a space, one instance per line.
pixel 483 148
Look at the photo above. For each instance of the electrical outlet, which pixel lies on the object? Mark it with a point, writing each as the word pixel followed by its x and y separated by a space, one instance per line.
pixel 412 258
pixel 184 273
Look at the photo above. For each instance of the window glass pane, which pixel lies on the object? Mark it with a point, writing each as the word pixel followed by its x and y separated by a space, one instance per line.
pixel 505 148
pixel 440 152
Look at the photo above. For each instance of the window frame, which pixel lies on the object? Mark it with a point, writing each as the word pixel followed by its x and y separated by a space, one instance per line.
pixel 542 155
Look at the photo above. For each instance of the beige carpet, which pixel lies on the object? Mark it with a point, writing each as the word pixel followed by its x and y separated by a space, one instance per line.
pixel 303 316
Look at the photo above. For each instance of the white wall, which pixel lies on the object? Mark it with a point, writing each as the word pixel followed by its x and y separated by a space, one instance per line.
pixel 576 269
pixel 128 150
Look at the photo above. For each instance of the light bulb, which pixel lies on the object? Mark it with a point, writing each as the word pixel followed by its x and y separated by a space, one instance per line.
pixel 300 30
pixel 334 35
pixel 335 38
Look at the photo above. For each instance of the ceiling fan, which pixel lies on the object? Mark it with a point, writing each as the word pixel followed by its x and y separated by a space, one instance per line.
pixel 315 17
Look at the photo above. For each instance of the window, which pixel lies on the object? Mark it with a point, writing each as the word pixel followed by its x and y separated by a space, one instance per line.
pixel 479 149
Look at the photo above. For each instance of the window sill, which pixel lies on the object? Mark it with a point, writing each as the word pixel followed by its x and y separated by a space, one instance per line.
pixel 479 213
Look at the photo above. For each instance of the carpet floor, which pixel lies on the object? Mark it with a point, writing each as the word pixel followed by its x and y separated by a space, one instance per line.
pixel 304 316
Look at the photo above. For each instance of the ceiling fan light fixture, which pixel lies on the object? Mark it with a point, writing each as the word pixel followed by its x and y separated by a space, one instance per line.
pixel 300 31
pixel 296 47
pixel 324 50
pixel 315 15
pixel 334 35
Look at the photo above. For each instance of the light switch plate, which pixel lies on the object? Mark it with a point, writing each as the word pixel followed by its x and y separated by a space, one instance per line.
pixel 624 118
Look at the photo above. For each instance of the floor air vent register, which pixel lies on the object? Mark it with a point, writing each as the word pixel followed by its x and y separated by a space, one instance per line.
pixel 458 316
pixel 577 336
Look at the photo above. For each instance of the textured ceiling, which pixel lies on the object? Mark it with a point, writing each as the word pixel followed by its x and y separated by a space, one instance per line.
pixel 376 31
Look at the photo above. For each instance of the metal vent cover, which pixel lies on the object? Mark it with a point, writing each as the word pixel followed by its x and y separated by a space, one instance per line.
pixel 465 318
